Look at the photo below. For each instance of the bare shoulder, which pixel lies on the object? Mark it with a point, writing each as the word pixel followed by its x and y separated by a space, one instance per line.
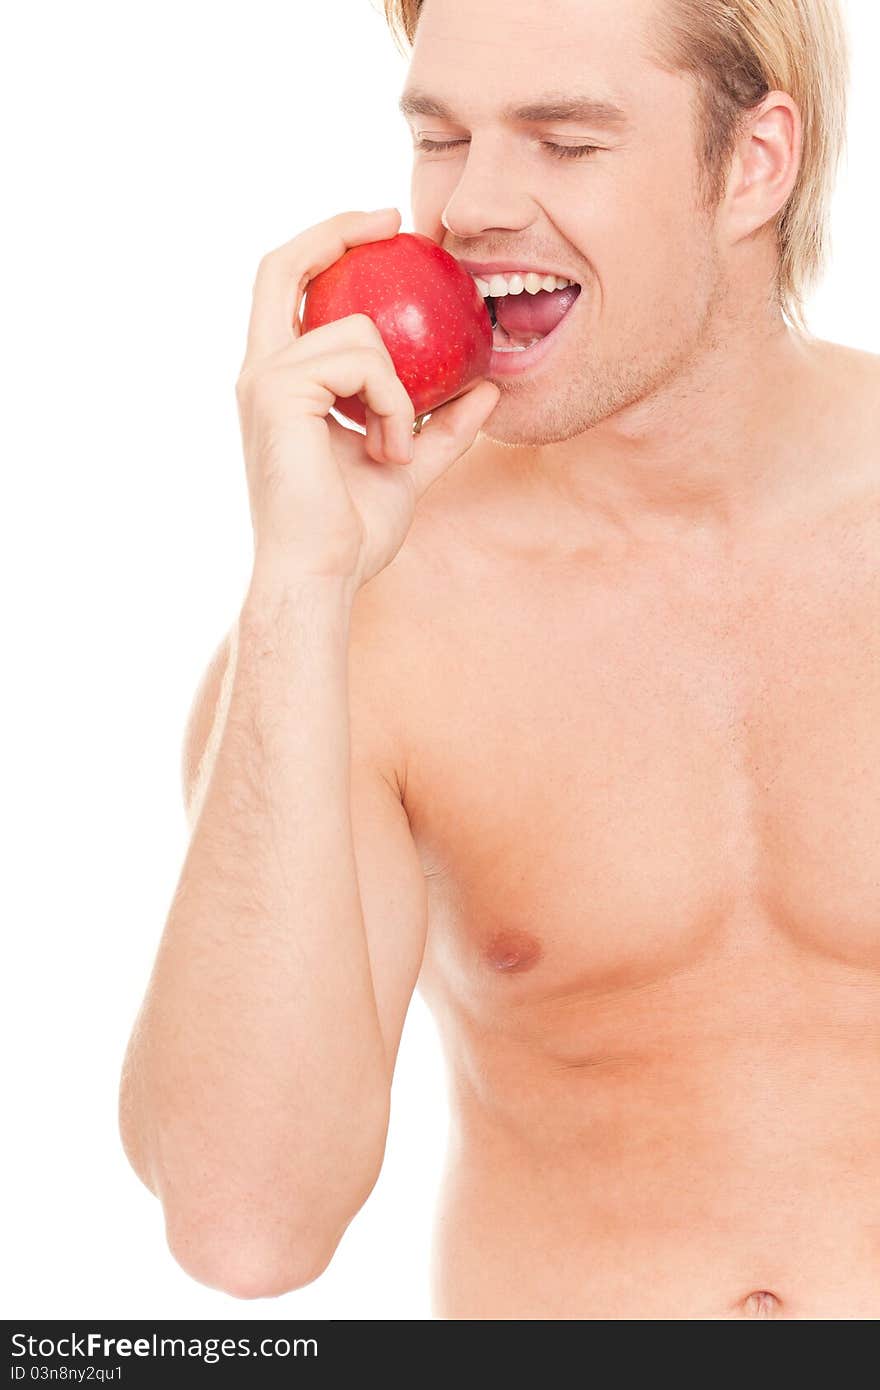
pixel 852 409
pixel 864 370
pixel 856 370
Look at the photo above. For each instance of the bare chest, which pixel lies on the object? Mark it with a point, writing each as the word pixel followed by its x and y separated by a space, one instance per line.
pixel 613 771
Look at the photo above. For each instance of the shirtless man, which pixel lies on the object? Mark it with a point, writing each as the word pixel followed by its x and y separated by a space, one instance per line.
pixel 574 720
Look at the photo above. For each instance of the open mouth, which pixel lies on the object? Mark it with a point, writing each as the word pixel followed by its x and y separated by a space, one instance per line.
pixel 523 325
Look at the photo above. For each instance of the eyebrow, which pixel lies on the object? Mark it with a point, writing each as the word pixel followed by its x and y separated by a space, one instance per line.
pixel 550 106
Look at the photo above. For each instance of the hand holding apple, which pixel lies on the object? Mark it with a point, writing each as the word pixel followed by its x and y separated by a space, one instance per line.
pixel 326 501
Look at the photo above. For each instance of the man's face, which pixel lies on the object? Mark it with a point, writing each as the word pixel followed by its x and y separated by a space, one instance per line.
pixel 623 221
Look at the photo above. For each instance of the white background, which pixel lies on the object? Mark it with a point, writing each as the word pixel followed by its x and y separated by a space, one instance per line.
pixel 151 155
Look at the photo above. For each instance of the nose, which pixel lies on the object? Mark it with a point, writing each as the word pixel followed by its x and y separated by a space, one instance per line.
pixel 487 195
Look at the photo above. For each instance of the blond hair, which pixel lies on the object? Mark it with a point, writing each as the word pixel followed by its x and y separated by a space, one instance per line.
pixel 737 51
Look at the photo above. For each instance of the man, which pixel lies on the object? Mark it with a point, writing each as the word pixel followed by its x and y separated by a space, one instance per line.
pixel 602 708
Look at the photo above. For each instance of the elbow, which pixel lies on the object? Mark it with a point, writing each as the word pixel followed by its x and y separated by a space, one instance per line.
pixel 278 1235
pixel 263 1252
pixel 247 1266
pixel 130 1131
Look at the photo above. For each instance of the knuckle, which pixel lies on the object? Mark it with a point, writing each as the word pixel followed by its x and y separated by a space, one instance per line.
pixel 367 357
pixel 380 352
pixel 366 327
pixel 264 266
pixel 252 389
pixel 273 262
pixel 371 334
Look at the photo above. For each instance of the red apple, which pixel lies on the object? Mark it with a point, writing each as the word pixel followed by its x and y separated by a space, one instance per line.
pixel 431 316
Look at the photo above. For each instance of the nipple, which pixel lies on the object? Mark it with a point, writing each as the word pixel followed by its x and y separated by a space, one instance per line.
pixel 510 951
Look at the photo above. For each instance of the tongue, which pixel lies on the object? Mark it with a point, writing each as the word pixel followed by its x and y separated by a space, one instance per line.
pixel 528 315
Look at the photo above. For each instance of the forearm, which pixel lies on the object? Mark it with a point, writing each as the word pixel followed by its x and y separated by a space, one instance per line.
pixel 257 1081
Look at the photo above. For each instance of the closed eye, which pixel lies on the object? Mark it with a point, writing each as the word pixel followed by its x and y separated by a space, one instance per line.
pixel 558 151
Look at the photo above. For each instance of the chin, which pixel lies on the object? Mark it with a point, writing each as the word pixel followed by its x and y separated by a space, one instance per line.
pixel 517 423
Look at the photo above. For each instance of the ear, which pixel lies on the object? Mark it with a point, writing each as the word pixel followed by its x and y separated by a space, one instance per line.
pixel 765 165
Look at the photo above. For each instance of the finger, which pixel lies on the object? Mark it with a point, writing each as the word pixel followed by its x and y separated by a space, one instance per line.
pixel 357 371
pixel 354 330
pixel 388 437
pixel 283 275
pixel 375 442
pixel 450 431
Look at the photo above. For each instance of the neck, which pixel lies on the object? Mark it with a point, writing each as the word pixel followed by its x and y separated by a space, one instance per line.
pixel 719 445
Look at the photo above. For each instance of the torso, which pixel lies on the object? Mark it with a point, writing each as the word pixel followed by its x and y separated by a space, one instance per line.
pixel 645 790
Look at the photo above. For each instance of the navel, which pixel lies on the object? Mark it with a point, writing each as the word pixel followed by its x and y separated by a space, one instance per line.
pixel 761 1304
pixel 509 951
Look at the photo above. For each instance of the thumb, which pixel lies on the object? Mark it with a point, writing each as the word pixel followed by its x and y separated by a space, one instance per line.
pixel 449 432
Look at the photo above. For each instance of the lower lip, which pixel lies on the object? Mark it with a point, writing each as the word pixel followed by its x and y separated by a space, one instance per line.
pixel 515 363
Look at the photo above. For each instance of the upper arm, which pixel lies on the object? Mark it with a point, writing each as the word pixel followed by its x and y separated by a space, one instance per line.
pixel 390 879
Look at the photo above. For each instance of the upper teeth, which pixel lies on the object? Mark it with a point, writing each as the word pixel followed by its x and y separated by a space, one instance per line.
pixel 499 285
